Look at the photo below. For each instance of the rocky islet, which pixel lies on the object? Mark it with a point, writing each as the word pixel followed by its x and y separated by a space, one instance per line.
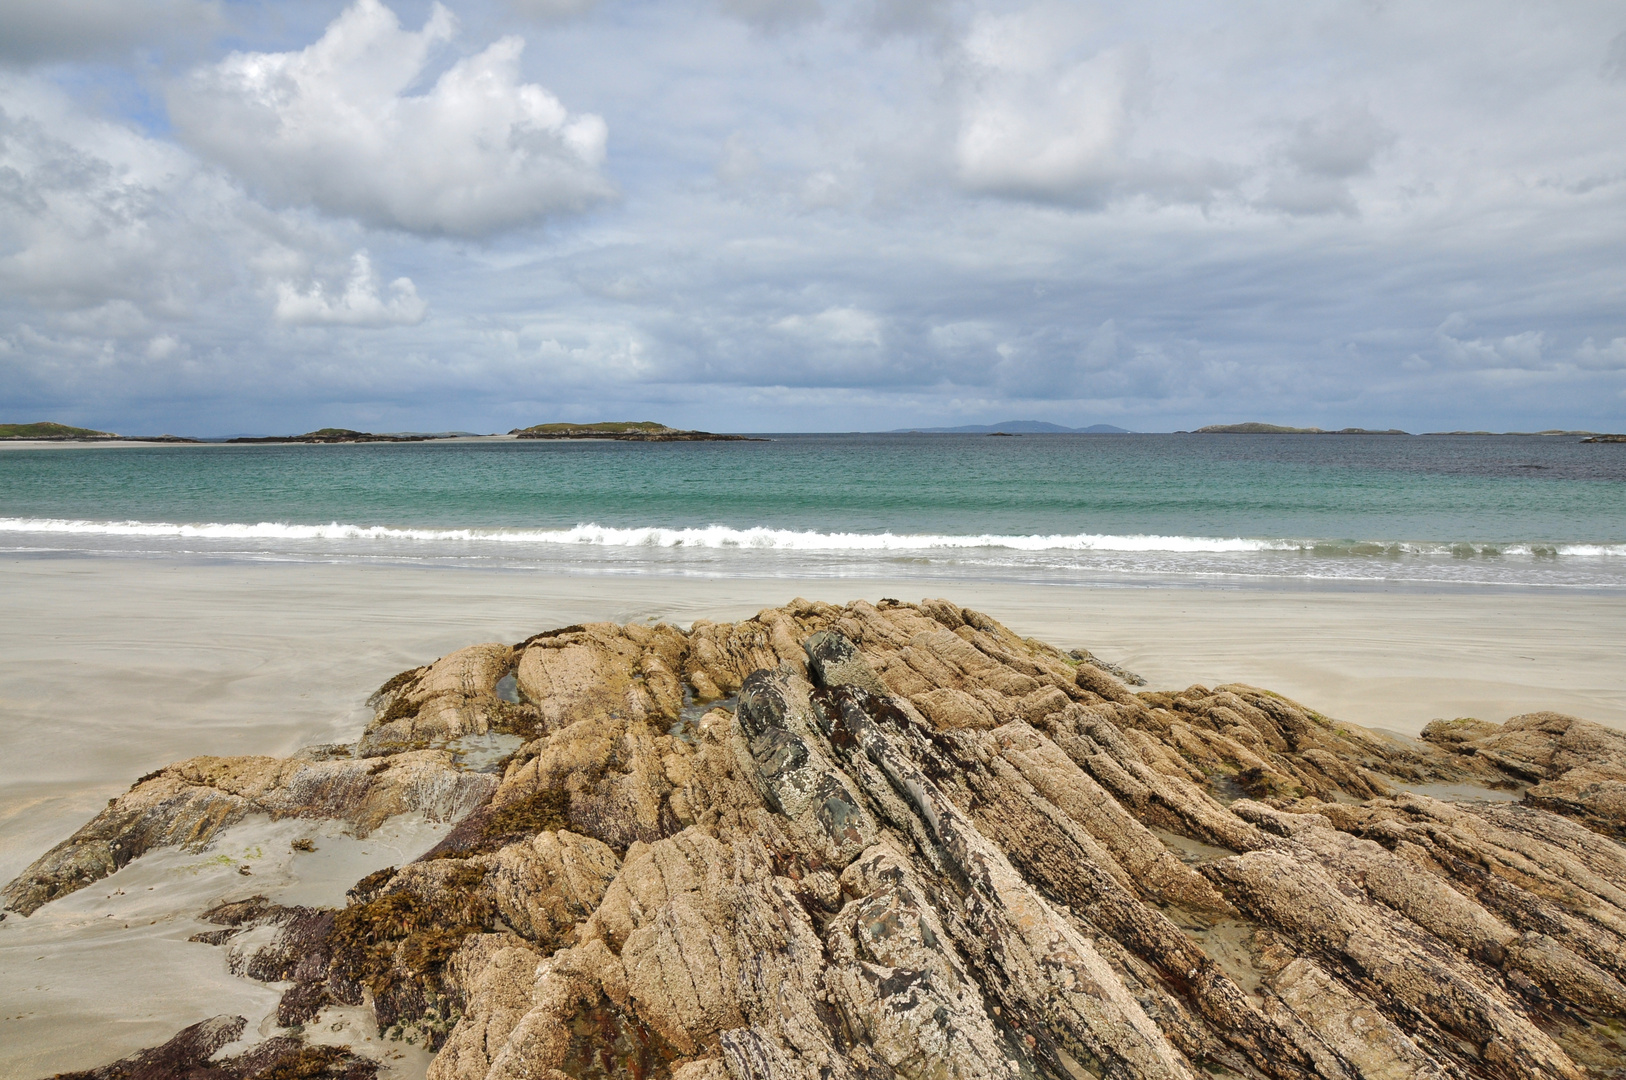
pixel 899 840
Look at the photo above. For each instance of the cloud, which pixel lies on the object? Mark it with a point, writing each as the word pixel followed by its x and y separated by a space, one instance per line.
pixel 1321 155
pixel 1160 215
pixel 840 326
pixel 553 9
pixel 89 211
pixel 359 304
pixel 1610 356
pixel 1048 117
pixel 1614 61
pixel 34 32
pixel 334 126
pixel 772 14
pixel 1040 126
pixel 1524 350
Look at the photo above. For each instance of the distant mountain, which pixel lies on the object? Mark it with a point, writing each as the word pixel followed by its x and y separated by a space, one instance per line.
pixel 1017 427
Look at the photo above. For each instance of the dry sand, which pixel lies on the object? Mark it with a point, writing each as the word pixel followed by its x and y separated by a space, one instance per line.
pixel 112 667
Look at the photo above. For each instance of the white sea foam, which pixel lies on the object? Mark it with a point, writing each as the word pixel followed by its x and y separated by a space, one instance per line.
pixel 760 538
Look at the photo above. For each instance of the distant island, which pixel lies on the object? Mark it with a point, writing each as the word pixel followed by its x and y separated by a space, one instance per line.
pixel 334 435
pixel 625 431
pixel 50 431
pixel 1015 427
pixel 1277 429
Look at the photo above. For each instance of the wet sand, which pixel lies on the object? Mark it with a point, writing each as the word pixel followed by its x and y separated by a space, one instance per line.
pixel 112 667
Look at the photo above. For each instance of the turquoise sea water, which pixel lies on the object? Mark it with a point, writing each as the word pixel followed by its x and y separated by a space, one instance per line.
pixel 1494 510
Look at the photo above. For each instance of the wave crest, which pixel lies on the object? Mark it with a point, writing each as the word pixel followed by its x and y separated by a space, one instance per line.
pixel 762 538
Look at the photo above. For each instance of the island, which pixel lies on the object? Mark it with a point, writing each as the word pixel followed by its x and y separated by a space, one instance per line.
pixel 50 431
pixel 625 431
pixel 335 435
pixel 1015 427
pixel 1277 429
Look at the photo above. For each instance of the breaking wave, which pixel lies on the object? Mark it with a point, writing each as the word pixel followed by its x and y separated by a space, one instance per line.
pixel 762 538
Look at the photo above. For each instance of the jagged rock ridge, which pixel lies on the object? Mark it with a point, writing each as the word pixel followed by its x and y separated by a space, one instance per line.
pixel 899 840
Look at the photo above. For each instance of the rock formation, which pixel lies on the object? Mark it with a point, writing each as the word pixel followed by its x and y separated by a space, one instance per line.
pixel 900 841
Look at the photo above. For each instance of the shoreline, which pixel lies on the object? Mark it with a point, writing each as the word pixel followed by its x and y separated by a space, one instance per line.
pixel 113 666
pixel 253 660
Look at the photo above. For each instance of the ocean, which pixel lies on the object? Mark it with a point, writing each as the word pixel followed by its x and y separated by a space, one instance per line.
pixel 1064 509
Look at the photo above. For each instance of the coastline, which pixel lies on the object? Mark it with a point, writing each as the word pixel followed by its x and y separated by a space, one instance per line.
pixel 111 667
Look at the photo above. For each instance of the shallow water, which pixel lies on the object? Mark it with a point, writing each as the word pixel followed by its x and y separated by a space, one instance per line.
pixel 1060 508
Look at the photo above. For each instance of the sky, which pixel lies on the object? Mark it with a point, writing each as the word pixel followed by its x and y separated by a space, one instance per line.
pixel 225 216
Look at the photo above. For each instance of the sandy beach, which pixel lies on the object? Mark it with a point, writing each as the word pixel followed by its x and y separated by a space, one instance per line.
pixel 112 667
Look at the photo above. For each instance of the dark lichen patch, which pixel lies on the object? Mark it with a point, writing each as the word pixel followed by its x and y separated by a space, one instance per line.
pixel 370 886
pixel 389 749
pixel 514 718
pixel 396 946
pixel 300 1004
pixel 318 1063
pixel 190 1056
pixel 238 912
pixel 491 827
pixel 1260 783
pixel 608 1044
pixel 548 809
pixel 404 681
pixel 401 707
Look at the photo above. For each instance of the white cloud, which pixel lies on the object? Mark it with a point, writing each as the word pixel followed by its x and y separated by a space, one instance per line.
pixel 1040 125
pixel 1049 115
pixel 845 326
pixel 1607 357
pixel 92 212
pixel 163 347
pixel 359 304
pixel 1525 350
pixel 333 126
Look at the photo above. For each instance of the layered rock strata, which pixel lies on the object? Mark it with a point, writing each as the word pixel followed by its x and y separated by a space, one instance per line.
pixel 900 841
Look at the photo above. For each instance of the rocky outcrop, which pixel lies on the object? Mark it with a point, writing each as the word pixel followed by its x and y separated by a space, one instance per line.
pixel 901 841
pixel 1578 767
pixel 187 803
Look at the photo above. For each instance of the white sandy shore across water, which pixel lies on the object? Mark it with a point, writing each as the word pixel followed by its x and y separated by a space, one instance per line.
pixel 112 667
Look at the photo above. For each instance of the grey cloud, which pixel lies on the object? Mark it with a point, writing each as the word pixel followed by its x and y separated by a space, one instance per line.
pixel 1614 61
pixel 1321 155
pixel 800 244
pixel 34 32
pixel 1339 143
pixel 772 14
